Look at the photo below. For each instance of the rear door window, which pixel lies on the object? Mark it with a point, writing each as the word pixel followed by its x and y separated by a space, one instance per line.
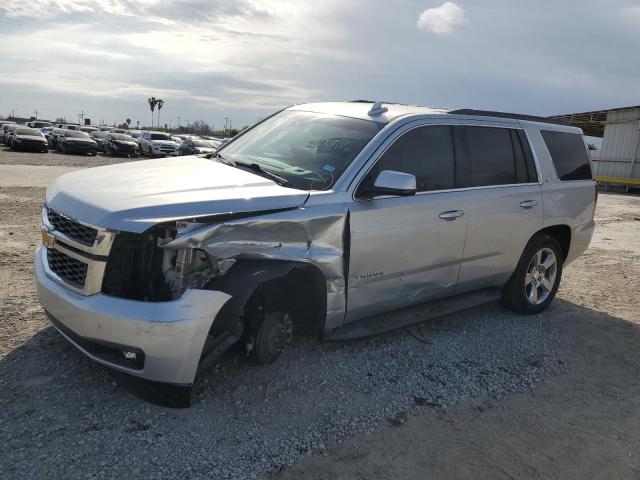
pixel 569 155
pixel 494 156
pixel 426 152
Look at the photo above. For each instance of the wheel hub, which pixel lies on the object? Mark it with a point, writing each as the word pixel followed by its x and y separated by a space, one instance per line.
pixel 541 276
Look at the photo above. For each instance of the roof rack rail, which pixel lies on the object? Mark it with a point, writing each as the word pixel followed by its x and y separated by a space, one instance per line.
pixel 513 116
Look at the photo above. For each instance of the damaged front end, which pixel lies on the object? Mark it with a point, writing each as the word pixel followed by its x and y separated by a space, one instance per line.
pixel 238 255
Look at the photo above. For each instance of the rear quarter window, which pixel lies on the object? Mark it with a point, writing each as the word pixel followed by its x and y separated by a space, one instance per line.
pixel 569 155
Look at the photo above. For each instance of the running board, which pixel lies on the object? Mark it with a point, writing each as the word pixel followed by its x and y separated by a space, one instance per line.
pixel 406 317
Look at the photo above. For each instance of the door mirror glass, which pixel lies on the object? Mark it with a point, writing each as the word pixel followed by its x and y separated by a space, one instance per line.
pixel 391 182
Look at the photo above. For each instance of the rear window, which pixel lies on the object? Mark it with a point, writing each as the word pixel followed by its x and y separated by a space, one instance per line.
pixel 569 155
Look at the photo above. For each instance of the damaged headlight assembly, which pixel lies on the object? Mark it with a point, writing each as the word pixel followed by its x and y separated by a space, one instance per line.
pixel 186 268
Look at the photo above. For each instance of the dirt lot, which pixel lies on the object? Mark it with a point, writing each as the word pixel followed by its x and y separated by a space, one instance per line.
pixel 482 394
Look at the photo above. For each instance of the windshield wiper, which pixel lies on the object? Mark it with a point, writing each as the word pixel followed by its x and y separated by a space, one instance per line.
pixel 254 167
pixel 265 173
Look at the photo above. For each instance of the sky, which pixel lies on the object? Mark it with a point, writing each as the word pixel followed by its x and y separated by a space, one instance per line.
pixel 244 59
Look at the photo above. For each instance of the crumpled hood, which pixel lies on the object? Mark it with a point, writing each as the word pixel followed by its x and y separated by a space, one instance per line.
pixel 137 195
pixel 164 142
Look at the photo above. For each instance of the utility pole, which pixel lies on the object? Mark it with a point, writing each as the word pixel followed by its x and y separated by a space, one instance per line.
pixel 35 112
pixel 178 121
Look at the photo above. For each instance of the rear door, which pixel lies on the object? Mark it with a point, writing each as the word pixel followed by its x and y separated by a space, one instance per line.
pixel 503 200
pixel 406 250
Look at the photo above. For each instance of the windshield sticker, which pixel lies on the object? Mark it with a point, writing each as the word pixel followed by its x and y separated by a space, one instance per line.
pixel 328 168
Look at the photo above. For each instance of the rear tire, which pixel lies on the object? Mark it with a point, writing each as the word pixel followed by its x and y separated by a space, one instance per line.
pixel 536 279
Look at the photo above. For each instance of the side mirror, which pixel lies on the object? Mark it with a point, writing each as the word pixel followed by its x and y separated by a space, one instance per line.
pixel 390 182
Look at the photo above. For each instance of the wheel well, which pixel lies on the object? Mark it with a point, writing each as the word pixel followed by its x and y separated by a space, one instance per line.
pixel 302 292
pixel 294 287
pixel 562 233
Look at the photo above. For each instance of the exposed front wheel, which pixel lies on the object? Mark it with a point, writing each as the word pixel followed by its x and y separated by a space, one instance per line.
pixel 534 283
pixel 272 337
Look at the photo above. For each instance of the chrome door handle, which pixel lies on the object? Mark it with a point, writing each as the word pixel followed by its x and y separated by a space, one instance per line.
pixel 451 214
pixel 527 204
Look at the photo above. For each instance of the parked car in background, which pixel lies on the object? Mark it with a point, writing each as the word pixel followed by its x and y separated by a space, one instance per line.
pixel 104 128
pixel 74 141
pixel 118 130
pixel 8 134
pixel 3 130
pixel 98 136
pixel 70 126
pixel 52 137
pixel 134 133
pixel 39 124
pixel 194 146
pixel 88 129
pixel 119 144
pixel 29 139
pixel 157 144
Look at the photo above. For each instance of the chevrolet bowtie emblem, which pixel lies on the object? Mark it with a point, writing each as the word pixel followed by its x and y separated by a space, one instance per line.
pixel 47 239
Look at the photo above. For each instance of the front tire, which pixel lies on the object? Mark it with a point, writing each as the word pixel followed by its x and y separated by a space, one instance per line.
pixel 536 279
pixel 273 336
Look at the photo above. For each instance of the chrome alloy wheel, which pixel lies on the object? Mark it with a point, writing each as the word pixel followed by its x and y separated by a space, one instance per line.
pixel 541 276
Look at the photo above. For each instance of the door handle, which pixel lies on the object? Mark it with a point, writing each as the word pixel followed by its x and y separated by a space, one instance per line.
pixel 451 215
pixel 527 204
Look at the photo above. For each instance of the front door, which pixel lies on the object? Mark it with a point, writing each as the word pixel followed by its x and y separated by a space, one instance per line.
pixel 407 250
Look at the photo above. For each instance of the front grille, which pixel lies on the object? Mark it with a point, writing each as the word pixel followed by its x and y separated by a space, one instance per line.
pixel 72 229
pixel 68 269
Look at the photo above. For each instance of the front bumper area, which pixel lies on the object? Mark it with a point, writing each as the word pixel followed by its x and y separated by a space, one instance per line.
pixel 171 335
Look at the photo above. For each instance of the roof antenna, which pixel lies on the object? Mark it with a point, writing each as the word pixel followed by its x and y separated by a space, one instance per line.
pixel 377 109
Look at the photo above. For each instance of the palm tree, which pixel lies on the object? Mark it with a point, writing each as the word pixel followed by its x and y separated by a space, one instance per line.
pixel 128 121
pixel 160 105
pixel 152 105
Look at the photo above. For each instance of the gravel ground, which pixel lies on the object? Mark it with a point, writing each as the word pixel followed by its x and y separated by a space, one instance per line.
pixel 9 157
pixel 63 416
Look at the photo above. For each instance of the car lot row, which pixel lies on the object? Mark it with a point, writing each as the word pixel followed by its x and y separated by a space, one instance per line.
pixel 89 140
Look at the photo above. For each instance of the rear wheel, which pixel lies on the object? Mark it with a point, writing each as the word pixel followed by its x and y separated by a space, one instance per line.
pixel 535 282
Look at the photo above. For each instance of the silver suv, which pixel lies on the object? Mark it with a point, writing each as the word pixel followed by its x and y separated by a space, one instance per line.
pixel 325 217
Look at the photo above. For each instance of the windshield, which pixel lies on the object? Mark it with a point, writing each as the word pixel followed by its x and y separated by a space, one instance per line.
pixel 76 134
pixel 310 150
pixel 159 136
pixel 120 136
pixel 28 131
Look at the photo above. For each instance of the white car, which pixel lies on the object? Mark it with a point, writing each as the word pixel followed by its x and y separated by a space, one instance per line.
pixel 157 144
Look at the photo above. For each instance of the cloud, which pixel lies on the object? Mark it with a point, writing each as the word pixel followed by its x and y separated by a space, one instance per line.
pixel 442 19
pixel 210 59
